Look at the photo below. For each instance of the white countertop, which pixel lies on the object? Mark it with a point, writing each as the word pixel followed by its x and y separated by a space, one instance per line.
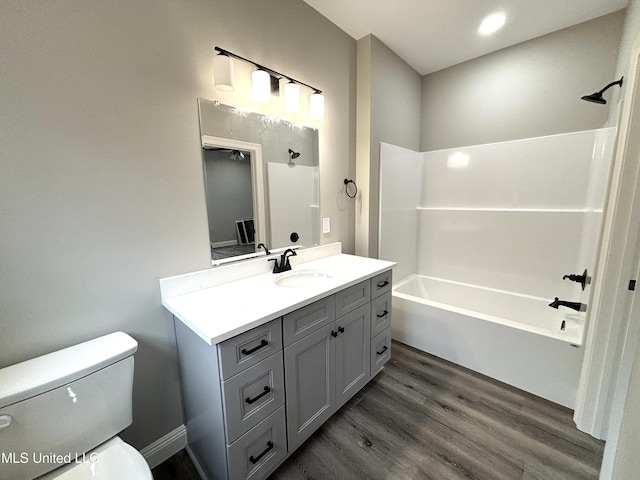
pixel 223 311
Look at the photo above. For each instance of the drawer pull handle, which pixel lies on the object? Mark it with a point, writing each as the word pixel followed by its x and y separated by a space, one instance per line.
pixel 255 399
pixel 383 314
pixel 341 329
pixel 382 284
pixel 384 349
pixel 263 343
pixel 257 459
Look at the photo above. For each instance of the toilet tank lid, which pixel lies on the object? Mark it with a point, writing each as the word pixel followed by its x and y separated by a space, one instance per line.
pixel 41 374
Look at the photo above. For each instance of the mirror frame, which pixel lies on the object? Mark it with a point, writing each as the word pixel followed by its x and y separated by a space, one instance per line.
pixel 257 186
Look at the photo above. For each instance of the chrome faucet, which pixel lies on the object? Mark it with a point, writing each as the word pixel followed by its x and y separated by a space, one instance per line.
pixel 577 306
pixel 283 265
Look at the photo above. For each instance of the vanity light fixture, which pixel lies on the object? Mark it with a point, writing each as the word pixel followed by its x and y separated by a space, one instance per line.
pixel 316 105
pixel 292 97
pixel 492 23
pixel 261 85
pixel 265 82
pixel 223 73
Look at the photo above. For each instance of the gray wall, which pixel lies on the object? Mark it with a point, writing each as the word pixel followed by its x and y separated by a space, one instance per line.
pixel 388 109
pixel 102 191
pixel 528 90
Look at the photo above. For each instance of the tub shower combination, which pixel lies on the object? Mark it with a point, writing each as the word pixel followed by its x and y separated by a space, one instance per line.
pixel 492 243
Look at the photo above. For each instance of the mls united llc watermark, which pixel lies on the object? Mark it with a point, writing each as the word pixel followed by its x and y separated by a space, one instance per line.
pixel 47 458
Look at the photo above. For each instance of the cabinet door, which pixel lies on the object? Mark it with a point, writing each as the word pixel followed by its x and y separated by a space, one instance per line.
pixel 353 346
pixel 309 369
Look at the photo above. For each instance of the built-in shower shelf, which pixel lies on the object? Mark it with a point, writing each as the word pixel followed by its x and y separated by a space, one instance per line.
pixel 525 210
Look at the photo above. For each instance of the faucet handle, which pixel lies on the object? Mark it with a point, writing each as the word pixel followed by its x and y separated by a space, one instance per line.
pixel 583 279
pixel 276 266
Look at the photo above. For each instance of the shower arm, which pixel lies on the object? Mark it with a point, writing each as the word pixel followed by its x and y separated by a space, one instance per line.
pixel 617 82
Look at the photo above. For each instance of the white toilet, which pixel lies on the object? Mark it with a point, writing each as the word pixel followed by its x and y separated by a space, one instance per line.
pixel 60 414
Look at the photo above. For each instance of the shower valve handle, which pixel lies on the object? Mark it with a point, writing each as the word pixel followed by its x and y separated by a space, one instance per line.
pixel 583 279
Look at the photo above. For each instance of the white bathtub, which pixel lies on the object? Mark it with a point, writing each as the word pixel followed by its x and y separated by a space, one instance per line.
pixel 514 338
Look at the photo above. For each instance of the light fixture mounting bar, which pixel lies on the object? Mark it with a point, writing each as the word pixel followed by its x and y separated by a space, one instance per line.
pixel 268 70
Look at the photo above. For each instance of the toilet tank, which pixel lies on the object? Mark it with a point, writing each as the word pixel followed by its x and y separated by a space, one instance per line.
pixel 58 406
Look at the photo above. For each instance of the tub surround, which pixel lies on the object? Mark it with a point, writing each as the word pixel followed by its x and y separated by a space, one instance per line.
pixel 223 302
pixel 486 236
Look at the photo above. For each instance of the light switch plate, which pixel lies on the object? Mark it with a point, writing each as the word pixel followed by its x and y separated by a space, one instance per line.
pixel 326 225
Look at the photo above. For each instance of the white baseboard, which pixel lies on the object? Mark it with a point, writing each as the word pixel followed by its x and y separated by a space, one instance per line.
pixel 226 243
pixel 165 447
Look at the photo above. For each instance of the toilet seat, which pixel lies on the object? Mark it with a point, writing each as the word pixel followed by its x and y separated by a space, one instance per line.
pixel 113 460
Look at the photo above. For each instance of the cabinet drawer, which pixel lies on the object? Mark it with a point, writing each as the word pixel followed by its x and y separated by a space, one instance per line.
pixel 253 395
pixel 381 284
pixel 260 450
pixel 247 349
pixel 380 313
pixel 306 320
pixel 380 351
pixel 353 297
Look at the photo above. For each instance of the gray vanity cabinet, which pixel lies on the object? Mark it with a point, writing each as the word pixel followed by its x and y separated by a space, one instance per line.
pixel 251 400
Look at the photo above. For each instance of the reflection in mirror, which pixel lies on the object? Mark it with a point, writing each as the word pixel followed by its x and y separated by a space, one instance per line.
pixel 227 176
pixel 261 182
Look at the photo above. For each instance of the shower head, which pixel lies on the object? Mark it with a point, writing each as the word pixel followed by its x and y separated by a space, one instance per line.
pixel 293 154
pixel 597 96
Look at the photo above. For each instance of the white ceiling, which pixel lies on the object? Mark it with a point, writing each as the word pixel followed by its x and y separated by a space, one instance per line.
pixel 434 34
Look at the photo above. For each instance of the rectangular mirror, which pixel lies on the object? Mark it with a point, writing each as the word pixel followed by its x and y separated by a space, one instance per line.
pixel 261 181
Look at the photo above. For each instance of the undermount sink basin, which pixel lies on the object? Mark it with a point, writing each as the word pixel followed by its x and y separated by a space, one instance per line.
pixel 302 278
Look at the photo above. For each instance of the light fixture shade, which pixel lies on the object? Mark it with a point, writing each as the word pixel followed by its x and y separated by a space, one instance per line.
pixel 261 86
pixel 223 73
pixel 316 106
pixel 292 97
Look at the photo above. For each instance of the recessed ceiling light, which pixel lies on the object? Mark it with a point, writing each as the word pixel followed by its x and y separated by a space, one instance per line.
pixel 492 23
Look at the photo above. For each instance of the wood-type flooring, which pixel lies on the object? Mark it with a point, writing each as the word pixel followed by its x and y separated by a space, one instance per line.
pixel 425 418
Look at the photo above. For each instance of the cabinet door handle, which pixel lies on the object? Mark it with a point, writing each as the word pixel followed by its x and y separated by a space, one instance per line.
pixel 384 349
pixel 334 333
pixel 382 284
pixel 258 397
pixel 340 329
pixel 383 314
pixel 263 343
pixel 264 452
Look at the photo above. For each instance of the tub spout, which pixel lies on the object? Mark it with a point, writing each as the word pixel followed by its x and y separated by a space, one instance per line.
pixel 577 306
